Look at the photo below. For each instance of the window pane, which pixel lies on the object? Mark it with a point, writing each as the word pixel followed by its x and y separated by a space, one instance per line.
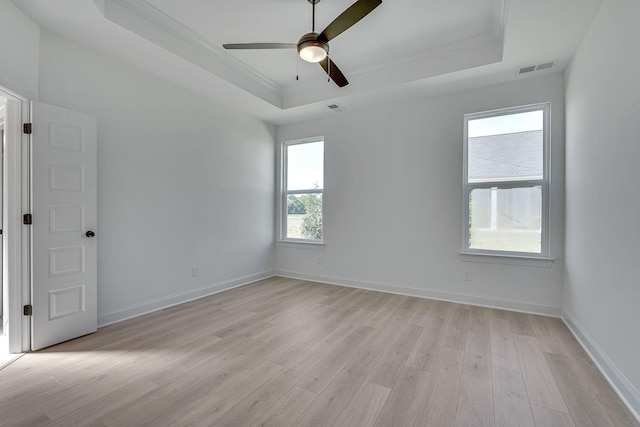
pixel 305 166
pixel 304 216
pixel 506 219
pixel 506 148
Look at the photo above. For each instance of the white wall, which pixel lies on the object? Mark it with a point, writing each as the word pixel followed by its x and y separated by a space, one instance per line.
pixel 18 51
pixel 393 201
pixel 602 279
pixel 182 181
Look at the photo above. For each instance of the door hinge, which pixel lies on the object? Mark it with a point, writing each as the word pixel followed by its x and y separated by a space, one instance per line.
pixel 27 310
pixel 26 128
pixel 27 219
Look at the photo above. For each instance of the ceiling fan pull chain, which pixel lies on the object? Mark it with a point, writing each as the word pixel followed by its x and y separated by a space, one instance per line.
pixel 329 70
pixel 297 67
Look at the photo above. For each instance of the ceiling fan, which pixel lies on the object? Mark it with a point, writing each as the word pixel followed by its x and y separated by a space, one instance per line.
pixel 314 47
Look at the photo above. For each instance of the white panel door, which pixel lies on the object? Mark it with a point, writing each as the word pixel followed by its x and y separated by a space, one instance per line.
pixel 63 237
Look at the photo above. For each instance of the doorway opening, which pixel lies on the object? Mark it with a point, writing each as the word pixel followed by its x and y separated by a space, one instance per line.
pixel 5 355
pixel 14 247
pixel 2 290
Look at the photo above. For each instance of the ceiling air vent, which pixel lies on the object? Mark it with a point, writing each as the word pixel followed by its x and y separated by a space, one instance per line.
pixel 525 70
pixel 539 67
pixel 335 107
pixel 544 66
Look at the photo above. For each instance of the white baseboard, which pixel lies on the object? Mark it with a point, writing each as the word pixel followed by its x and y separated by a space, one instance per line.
pixel 437 294
pixel 622 386
pixel 115 316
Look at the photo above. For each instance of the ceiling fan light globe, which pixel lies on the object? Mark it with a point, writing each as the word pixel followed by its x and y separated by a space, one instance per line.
pixel 311 49
pixel 313 54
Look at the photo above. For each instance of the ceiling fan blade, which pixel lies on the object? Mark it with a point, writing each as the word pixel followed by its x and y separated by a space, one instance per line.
pixel 348 18
pixel 334 72
pixel 260 46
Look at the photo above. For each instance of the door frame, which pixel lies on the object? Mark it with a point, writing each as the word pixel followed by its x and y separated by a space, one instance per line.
pixel 16 236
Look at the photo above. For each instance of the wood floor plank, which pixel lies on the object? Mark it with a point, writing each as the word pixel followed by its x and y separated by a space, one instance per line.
pixel 334 338
pixel 363 409
pixel 251 407
pixel 287 409
pixel 480 320
pixel 616 410
pixel 386 372
pixel 582 360
pixel 441 309
pixel 520 323
pixel 422 312
pixel 475 403
pixel 510 400
pixel 503 348
pixel 499 314
pixel 372 302
pixel 499 326
pixel 546 331
pixel 425 352
pixel 583 405
pixel 65 399
pixel 136 411
pixel 88 414
pixel 336 294
pixel 330 366
pixel 327 407
pixel 385 335
pixel 208 409
pixel 547 418
pixel 297 356
pixel 477 356
pixel 538 379
pixel 442 393
pixel 383 314
pixel 27 420
pixel 456 332
pixel 405 400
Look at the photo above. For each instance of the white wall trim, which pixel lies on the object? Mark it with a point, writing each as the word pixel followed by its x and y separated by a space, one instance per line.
pixel 437 294
pixel 622 386
pixel 15 235
pixel 119 315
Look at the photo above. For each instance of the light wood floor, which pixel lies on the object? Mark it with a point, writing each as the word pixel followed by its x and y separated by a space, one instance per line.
pixel 286 352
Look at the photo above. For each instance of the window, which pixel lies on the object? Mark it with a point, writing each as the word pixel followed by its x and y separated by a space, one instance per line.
pixel 506 182
pixel 303 183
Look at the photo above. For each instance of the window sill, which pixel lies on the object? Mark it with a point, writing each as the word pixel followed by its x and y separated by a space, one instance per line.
pixel 523 260
pixel 301 244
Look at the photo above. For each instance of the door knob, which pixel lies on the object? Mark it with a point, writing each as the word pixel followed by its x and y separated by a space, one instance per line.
pixel 90 234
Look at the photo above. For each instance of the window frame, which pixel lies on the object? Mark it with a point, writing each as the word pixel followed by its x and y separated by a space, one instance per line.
pixel 544 183
pixel 284 193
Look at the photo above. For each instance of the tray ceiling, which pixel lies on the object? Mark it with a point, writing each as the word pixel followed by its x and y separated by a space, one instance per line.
pixel 403 49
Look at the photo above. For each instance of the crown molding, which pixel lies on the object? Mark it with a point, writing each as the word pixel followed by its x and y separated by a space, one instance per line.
pixel 157 27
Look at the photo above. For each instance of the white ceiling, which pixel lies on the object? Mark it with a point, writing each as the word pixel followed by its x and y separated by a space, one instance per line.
pixel 404 48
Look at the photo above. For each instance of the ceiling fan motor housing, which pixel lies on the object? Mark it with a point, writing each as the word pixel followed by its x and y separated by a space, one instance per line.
pixel 310 40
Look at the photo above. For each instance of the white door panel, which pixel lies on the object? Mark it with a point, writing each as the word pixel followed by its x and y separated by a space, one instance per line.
pixel 64 258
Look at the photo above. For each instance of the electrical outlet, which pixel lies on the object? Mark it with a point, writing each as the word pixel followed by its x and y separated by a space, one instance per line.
pixel 320 260
pixel 467 276
pixel 195 271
